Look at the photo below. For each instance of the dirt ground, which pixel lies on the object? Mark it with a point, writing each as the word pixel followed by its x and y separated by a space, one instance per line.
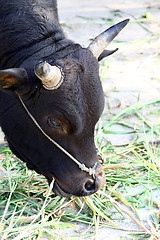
pixel 132 73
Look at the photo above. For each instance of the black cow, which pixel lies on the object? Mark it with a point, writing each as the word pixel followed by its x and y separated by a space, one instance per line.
pixel 51 91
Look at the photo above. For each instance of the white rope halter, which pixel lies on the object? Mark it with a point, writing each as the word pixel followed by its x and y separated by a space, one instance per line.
pixel 91 170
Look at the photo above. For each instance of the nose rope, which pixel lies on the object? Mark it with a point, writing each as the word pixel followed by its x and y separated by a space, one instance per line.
pixel 91 170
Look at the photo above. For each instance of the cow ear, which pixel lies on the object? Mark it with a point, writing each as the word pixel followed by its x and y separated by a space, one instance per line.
pixel 12 78
pixel 106 53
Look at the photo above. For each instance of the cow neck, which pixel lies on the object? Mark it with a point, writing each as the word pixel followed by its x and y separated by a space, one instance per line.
pixel 90 171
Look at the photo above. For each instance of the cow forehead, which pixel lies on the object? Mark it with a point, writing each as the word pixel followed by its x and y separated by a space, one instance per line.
pixel 81 75
pixel 78 58
pixel 79 101
pixel 80 98
pixel 81 86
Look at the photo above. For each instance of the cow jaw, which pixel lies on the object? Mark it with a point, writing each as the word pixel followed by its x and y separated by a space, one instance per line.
pixel 58 191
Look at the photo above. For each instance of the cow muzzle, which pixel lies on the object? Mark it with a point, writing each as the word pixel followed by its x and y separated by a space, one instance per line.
pixel 84 187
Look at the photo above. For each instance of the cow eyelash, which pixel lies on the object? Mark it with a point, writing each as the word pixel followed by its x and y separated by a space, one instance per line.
pixel 54 124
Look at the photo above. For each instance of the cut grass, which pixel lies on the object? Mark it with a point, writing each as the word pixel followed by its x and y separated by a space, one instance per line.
pixel 29 210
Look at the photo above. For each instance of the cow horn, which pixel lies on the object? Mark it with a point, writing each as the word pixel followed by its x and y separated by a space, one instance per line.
pixel 98 45
pixel 51 76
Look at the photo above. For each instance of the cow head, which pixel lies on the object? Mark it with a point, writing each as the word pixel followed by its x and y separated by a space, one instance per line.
pixel 65 97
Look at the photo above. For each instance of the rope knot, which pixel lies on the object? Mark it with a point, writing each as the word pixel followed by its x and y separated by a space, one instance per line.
pixel 91 170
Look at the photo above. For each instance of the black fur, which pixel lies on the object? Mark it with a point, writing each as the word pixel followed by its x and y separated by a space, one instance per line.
pixel 30 33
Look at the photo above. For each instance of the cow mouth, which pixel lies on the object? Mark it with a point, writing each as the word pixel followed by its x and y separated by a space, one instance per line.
pixel 59 191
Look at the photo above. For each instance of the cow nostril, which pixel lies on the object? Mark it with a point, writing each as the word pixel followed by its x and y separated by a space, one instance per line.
pixel 90 185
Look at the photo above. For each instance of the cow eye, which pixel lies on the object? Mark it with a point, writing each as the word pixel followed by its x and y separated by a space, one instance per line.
pixel 54 124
